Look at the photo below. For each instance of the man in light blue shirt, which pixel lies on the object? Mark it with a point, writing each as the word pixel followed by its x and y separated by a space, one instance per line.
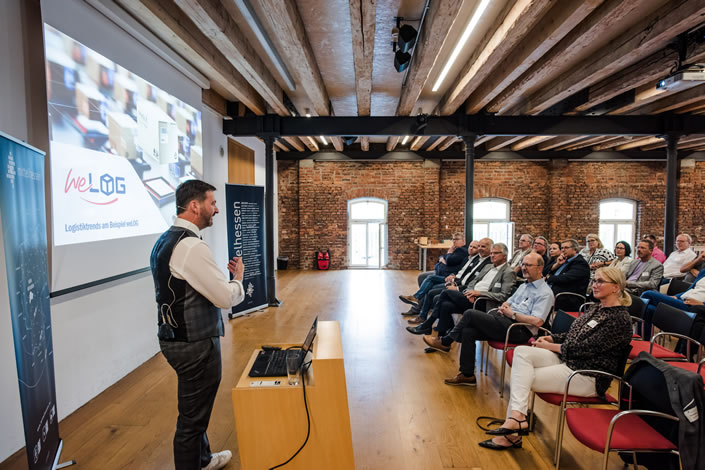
pixel 531 303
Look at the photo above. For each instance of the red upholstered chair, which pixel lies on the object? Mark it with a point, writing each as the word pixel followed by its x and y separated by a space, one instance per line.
pixel 696 368
pixel 612 430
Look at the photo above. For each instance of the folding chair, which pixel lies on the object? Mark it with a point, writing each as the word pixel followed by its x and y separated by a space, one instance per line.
pixel 567 301
pixel 612 430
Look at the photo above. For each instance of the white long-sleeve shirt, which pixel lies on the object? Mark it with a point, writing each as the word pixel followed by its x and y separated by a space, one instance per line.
pixel 193 262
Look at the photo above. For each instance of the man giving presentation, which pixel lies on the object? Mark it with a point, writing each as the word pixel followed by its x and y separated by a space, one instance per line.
pixel 190 291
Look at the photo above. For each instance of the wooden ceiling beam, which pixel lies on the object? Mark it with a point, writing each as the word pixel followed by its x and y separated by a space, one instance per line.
pixel 639 143
pixel 281 146
pixel 362 22
pixel 437 142
pixel 311 143
pixel 502 142
pixel 559 141
pixel 612 142
pixel 392 142
pixel 294 142
pixel 521 18
pixel 214 20
pixel 174 27
pixel 697 106
pixel 654 67
pixel 214 101
pixel 481 140
pixel 585 143
pixel 553 27
pixel 673 101
pixel 529 141
pixel 365 143
pixel 643 95
pixel 607 17
pixel 419 142
pixel 450 141
pixel 438 22
pixel 287 28
pixel 695 138
pixel 646 37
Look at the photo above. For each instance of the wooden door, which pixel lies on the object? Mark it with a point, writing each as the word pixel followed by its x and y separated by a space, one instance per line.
pixel 241 163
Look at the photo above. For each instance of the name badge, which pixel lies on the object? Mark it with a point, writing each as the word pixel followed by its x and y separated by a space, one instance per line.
pixel 592 323
pixel 645 274
pixel 498 285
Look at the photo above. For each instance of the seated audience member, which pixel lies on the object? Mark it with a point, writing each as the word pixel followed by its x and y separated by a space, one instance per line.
pixel 595 254
pixel 658 255
pixel 570 273
pixel 596 340
pixel 554 251
pixel 493 283
pixel 623 252
pixel 693 296
pixel 461 280
pixel 531 303
pixel 644 272
pixel 693 268
pixel 525 242
pixel 540 246
pixel 448 264
pixel 680 257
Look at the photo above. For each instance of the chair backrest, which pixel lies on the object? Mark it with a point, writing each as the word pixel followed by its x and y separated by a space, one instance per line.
pixel 676 286
pixel 672 320
pixel 637 308
pixel 569 301
pixel 561 322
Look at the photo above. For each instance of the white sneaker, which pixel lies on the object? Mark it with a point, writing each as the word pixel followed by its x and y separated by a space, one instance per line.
pixel 219 460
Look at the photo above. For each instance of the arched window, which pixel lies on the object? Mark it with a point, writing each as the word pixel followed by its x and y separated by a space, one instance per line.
pixel 491 219
pixel 367 232
pixel 617 222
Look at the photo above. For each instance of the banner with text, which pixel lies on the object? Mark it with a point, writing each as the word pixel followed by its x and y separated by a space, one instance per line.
pixel 245 218
pixel 25 244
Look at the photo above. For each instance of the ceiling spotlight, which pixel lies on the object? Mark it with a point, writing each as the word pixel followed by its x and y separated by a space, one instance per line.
pixel 403 142
pixel 401 60
pixel 407 38
pixel 323 139
pixel 307 112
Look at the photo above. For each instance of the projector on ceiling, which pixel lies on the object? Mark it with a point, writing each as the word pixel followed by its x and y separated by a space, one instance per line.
pixel 692 74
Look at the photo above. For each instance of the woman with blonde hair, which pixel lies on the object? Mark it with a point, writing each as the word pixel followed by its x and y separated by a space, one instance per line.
pixel 596 340
pixel 595 254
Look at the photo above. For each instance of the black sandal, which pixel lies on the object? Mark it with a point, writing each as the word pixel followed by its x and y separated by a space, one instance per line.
pixel 505 431
pixel 488 444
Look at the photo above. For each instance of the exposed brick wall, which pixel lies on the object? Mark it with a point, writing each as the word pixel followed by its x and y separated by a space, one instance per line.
pixel 557 199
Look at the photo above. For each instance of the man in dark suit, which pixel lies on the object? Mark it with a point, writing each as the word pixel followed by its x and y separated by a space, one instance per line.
pixel 570 273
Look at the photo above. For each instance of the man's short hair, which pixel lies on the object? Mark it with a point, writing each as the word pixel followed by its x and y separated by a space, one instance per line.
pixel 503 247
pixel 531 238
pixel 650 237
pixel 573 243
pixel 190 190
pixel 690 240
pixel 545 242
pixel 649 242
pixel 458 236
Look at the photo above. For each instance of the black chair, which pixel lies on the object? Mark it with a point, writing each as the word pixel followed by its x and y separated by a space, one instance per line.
pixel 672 322
pixel 676 286
pixel 636 312
pixel 568 301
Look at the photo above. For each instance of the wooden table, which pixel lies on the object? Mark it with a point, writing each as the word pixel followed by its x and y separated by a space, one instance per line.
pixel 271 421
pixel 423 248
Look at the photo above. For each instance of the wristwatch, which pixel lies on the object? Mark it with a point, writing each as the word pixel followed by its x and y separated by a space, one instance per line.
pixel 514 315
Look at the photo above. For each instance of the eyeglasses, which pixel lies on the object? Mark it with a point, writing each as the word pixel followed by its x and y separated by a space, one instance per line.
pixel 599 282
pixel 619 248
pixel 539 243
pixel 567 247
pixel 527 265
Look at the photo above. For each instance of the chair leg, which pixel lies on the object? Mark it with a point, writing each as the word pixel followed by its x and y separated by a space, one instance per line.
pixel 532 419
pixel 634 462
pixel 487 357
pixel 501 380
pixel 559 436
pixel 559 430
pixel 482 354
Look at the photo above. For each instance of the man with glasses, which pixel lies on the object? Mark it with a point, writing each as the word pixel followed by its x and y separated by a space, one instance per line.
pixel 540 246
pixel 570 273
pixel 494 283
pixel 531 304
pixel 681 256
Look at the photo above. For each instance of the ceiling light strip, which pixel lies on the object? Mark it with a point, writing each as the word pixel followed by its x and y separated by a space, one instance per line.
pixel 461 43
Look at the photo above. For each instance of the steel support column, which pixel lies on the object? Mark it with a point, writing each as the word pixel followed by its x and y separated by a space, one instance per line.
pixel 469 184
pixel 269 220
pixel 670 222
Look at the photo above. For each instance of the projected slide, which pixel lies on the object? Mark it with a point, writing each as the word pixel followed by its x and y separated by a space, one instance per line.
pixel 119 146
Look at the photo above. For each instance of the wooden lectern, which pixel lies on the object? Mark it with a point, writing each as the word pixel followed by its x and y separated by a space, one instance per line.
pixel 271 421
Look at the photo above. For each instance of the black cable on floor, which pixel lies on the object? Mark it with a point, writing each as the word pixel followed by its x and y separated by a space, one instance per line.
pixel 304 369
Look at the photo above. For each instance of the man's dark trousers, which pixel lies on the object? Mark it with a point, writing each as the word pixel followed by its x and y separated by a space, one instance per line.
pixel 198 369
pixel 477 325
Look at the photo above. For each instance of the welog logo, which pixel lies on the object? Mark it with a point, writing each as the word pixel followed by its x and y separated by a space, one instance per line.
pixel 100 190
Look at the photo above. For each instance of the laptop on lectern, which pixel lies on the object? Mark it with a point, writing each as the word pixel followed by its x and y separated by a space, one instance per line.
pixel 272 363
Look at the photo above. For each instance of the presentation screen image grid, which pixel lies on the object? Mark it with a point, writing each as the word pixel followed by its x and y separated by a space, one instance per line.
pixel 119 146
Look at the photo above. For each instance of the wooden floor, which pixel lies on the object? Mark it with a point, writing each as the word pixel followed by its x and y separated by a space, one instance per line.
pixel 402 415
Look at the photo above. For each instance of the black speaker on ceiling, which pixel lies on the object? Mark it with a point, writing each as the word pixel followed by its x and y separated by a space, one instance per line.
pixel 401 60
pixel 407 38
